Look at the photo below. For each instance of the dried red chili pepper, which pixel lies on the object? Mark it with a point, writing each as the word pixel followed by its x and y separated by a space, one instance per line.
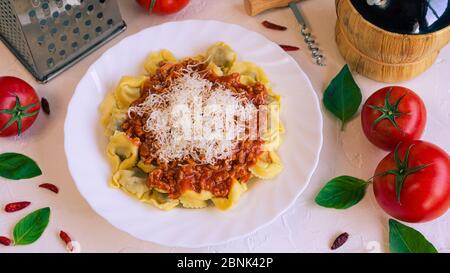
pixel 67 240
pixel 12 207
pixel 289 47
pixel 340 240
pixel 50 187
pixel 5 241
pixel 271 25
pixel 45 106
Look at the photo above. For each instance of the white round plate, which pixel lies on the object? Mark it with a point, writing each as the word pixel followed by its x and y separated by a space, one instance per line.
pixel 85 143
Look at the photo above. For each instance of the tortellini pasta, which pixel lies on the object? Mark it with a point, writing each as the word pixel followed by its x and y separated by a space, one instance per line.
pixel 106 107
pixel 237 189
pixel 111 116
pixel 147 168
pixel 118 116
pixel 268 166
pixel 214 68
pixel 122 151
pixel 131 181
pixel 130 173
pixel 222 55
pixel 160 200
pixel 128 90
pixel 250 73
pixel 273 137
pixel 194 200
pixel 153 60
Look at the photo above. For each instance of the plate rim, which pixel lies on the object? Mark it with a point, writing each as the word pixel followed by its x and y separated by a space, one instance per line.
pixel 231 238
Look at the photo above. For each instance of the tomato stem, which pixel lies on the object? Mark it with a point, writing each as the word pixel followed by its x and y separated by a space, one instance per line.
pixel 17 114
pixel 152 6
pixel 370 180
pixel 389 111
pixel 402 171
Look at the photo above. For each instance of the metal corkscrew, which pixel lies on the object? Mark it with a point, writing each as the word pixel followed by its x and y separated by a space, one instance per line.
pixel 306 33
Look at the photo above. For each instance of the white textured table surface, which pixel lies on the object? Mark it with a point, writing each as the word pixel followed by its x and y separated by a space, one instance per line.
pixel 303 228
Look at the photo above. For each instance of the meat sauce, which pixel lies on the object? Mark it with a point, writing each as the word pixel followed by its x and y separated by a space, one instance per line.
pixel 177 176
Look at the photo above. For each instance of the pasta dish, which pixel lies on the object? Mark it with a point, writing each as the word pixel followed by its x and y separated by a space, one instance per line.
pixel 194 131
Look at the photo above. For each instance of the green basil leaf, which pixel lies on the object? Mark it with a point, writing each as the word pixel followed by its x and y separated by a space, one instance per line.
pixel 404 239
pixel 31 227
pixel 342 192
pixel 17 166
pixel 343 96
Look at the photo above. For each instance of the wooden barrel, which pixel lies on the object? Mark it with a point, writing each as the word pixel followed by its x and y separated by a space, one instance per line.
pixel 382 55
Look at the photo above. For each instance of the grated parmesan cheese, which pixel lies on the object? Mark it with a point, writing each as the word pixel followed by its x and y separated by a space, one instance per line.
pixel 196 118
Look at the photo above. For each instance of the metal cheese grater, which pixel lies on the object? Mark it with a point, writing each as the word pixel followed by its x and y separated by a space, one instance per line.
pixel 49 36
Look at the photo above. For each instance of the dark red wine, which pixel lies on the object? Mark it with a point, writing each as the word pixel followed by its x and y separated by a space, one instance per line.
pixel 406 16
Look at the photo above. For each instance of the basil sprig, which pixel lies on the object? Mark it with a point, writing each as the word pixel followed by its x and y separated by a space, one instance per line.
pixel 30 228
pixel 342 192
pixel 404 239
pixel 17 166
pixel 343 96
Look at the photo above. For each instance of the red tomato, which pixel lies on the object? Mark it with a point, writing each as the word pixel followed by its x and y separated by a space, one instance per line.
pixel 163 6
pixel 393 114
pixel 422 190
pixel 19 106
